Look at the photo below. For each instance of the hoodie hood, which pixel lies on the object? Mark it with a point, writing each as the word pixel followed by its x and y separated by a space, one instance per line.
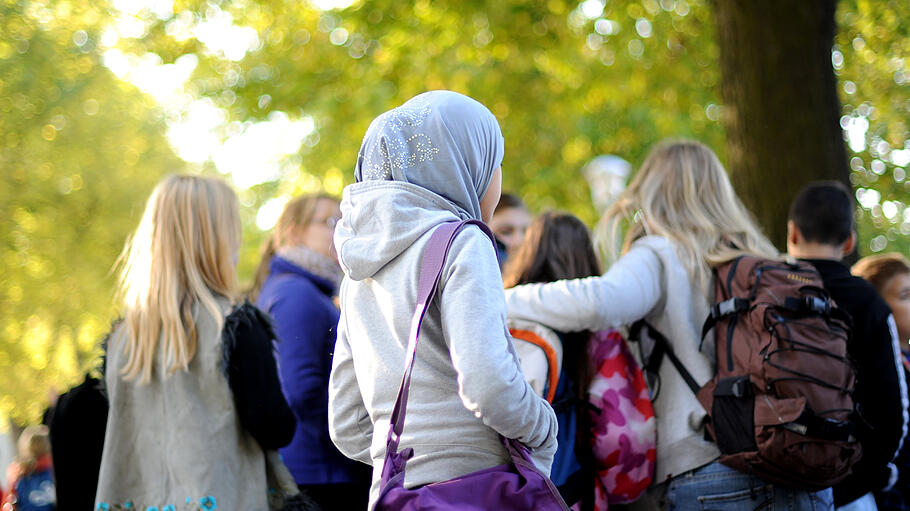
pixel 382 219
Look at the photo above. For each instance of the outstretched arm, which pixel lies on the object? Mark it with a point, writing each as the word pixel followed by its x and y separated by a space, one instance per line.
pixel 623 295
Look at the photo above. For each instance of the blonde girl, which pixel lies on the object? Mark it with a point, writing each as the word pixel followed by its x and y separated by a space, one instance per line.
pixel 174 435
pixel 300 224
pixel 681 218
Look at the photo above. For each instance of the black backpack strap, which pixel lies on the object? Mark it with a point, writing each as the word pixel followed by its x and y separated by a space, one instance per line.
pixel 808 423
pixel 721 310
pixel 577 488
pixel 662 347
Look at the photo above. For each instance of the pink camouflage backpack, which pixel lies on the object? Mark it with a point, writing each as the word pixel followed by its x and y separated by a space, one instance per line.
pixel 624 429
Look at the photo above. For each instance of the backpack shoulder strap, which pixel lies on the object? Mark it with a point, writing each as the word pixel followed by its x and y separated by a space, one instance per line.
pixel 540 350
pixel 662 347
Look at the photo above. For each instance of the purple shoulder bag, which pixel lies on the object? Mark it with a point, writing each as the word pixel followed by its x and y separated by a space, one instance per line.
pixel 514 486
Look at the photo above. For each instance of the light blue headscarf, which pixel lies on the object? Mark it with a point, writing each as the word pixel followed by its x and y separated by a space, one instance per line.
pixel 442 141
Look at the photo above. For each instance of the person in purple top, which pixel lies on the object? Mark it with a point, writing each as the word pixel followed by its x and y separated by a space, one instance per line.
pixel 296 282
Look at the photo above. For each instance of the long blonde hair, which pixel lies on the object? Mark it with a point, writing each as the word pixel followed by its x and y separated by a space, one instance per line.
pixel 682 193
pixel 182 254
pixel 298 212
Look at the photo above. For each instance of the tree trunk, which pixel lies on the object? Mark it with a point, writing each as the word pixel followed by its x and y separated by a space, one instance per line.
pixel 782 113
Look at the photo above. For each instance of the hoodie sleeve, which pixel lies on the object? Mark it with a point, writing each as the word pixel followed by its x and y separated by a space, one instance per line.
pixel 349 422
pixel 623 295
pixel 490 381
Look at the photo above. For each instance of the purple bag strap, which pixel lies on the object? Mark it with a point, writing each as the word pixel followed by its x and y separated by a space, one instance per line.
pixel 434 257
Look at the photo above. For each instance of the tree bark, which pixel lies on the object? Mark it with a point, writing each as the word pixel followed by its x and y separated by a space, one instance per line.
pixel 782 113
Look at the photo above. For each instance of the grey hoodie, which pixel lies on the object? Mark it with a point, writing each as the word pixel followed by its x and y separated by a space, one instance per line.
pixel 467 386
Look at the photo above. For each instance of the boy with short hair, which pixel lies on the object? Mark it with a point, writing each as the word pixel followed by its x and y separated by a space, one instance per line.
pixel 820 230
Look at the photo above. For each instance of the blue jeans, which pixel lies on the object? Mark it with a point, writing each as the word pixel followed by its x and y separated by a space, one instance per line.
pixel 716 487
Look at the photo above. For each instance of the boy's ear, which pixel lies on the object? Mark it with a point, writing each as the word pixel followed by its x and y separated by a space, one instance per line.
pixel 793 234
pixel 850 244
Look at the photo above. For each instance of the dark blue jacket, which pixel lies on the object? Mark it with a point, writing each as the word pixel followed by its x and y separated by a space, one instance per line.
pixel 306 322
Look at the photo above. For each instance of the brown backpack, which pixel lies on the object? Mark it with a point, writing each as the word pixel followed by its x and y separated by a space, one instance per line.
pixel 780 403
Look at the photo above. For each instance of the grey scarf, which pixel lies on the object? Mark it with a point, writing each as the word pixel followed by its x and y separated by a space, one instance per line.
pixel 313 262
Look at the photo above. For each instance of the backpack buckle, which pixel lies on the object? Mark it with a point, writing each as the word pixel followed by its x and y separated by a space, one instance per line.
pixel 817 305
pixel 728 307
pixel 814 304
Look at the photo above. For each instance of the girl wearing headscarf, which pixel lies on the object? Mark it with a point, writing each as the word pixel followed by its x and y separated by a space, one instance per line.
pixel 434 159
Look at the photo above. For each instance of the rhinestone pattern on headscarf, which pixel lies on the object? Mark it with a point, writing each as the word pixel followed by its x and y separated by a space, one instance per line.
pixel 398 152
pixel 441 141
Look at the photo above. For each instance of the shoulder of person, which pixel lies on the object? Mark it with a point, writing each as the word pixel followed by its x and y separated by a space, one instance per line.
pixel 472 238
pixel 865 289
pixel 654 242
pixel 664 249
pixel 877 309
pixel 284 280
pixel 112 340
pixel 295 287
pixel 864 299
pixel 245 327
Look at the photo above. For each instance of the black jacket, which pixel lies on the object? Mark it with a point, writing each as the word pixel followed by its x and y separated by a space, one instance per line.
pixel 879 379
pixel 249 364
pixel 77 438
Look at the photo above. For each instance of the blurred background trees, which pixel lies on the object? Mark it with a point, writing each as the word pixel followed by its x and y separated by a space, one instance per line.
pixel 79 152
pixel 98 100
pixel 781 110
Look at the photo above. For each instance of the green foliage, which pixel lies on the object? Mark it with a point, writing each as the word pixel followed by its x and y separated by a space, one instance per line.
pixel 872 58
pixel 563 92
pixel 79 152
pixel 80 149
pixel 565 86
